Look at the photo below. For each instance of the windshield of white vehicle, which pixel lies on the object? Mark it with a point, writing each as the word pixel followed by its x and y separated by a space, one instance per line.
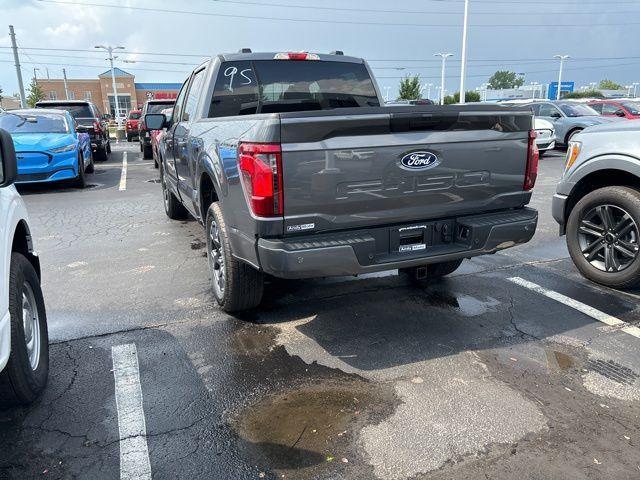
pixel 29 123
pixel 267 86
pixel 633 108
pixel 577 110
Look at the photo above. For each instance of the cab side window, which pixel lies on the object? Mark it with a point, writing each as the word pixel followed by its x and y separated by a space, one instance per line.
pixel 177 108
pixel 194 95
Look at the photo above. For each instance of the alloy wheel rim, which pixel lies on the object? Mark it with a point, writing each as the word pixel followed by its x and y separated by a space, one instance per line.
pixel 216 260
pixel 609 238
pixel 31 325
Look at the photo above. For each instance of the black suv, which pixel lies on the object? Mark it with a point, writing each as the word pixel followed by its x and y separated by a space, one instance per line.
pixel 90 120
pixel 150 106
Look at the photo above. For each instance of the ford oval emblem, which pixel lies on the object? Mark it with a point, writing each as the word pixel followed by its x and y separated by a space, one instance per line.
pixel 419 160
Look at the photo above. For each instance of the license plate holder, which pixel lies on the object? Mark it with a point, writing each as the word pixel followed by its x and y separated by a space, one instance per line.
pixel 410 239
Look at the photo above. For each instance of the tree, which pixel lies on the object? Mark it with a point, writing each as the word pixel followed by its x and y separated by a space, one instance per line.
pixel 410 88
pixel 470 97
pixel 503 79
pixel 0 95
pixel 607 84
pixel 35 93
pixel 585 94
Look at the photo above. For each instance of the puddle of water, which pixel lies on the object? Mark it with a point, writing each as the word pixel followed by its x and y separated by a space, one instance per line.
pixel 300 431
pixel 558 361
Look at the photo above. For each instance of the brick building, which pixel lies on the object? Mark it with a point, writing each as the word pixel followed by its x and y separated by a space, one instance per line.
pixel 100 90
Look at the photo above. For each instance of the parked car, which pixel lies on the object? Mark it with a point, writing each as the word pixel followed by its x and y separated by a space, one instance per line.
pixel 49 148
pixel 545 135
pixel 597 203
pixel 156 138
pixel 260 150
pixel 617 108
pixel 90 120
pixel 568 118
pixel 24 342
pixel 144 134
pixel 131 125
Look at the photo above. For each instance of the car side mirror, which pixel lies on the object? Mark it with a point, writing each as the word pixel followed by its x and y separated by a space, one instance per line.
pixel 556 115
pixel 155 121
pixel 8 162
pixel 620 113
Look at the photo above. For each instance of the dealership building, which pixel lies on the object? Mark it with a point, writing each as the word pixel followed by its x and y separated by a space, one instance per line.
pixel 100 90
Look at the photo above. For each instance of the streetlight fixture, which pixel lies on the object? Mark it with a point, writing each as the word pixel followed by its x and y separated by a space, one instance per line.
pixel 535 86
pixel 562 58
pixel 444 57
pixel 427 86
pixel 463 68
pixel 635 88
pixel 109 49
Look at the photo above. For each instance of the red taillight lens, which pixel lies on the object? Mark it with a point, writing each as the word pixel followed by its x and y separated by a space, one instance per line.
pixel 296 56
pixel 260 167
pixel 533 156
pixel 96 127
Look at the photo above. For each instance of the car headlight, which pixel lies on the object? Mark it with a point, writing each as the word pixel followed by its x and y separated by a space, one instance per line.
pixel 573 152
pixel 66 148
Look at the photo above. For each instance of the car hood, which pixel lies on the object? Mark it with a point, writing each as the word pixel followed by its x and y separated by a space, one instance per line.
pixel 542 124
pixel 596 120
pixel 36 142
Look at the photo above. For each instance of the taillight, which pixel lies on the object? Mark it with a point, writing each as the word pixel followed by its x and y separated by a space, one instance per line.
pixel 96 127
pixel 260 167
pixel 296 56
pixel 533 156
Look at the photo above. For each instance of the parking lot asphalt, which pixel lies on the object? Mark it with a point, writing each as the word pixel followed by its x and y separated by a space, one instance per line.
pixel 513 367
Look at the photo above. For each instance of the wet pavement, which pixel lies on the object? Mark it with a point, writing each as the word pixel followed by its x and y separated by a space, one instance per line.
pixel 475 376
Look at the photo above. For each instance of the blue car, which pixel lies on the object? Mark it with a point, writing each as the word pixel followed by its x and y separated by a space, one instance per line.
pixel 48 147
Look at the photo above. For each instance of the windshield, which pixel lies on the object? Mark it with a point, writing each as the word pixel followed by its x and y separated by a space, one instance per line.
pixel 76 111
pixel 134 116
pixel 634 108
pixel 577 110
pixel 30 123
pixel 269 86
pixel 157 107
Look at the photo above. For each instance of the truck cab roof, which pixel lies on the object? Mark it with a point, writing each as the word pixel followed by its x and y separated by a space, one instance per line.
pixel 324 57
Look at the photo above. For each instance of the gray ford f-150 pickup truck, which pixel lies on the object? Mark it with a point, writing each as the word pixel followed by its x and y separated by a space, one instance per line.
pixel 297 171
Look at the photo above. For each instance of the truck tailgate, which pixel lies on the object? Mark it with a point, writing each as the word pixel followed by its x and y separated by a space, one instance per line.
pixel 398 165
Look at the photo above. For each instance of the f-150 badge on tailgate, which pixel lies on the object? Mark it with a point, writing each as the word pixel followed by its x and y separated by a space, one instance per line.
pixel 419 161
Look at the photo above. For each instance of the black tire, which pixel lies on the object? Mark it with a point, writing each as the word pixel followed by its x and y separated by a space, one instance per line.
pixel 20 384
pixel 172 206
pixel 147 152
pixel 625 198
pixel 243 285
pixel 81 180
pixel 434 271
pixel 108 148
pixel 129 138
pixel 141 148
pixel 92 166
pixel 541 153
pixel 572 134
pixel 100 155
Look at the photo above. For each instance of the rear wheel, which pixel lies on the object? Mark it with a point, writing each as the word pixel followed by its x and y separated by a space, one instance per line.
pixel 603 236
pixel 172 206
pixel 236 286
pixel 108 148
pixel 100 155
pixel 147 152
pixel 434 271
pixel 91 166
pixel 25 375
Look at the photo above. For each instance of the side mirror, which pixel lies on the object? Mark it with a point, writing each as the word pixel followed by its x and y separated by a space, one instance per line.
pixel 620 113
pixel 556 115
pixel 155 121
pixel 8 162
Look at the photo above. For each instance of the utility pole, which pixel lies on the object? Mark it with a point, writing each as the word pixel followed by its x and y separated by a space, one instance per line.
pixel 562 58
pixel 47 69
pixel 463 68
pixel 35 74
pixel 109 50
pixel 444 57
pixel 66 89
pixel 635 89
pixel 16 58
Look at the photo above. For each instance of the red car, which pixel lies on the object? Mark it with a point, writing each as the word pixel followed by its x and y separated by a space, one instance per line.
pixel 132 124
pixel 156 139
pixel 617 108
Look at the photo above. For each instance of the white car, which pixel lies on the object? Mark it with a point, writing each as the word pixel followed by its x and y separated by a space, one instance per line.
pixel 546 139
pixel 24 342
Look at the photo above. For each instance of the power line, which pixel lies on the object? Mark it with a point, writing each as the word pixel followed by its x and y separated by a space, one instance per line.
pixel 333 22
pixel 96 66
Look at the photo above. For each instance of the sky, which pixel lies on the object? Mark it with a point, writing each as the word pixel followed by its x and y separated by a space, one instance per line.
pixel 397 37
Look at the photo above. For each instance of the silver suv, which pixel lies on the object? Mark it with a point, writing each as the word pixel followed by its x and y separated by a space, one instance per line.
pixel 597 203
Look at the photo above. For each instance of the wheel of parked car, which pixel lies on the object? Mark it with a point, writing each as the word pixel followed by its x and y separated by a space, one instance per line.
pixel 91 166
pixel 81 180
pixel 25 375
pixel 603 236
pixel 236 285
pixel 572 134
pixel 172 206
pixel 147 152
pixel 434 271
pixel 108 149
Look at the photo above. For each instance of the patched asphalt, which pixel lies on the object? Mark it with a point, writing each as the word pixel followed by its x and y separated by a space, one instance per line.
pixel 367 377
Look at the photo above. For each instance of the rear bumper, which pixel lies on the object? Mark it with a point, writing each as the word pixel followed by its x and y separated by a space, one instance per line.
pixel 363 251
pixel 5 339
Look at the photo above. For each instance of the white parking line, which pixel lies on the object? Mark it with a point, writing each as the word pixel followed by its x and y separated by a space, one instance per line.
pixel 134 452
pixel 123 176
pixel 581 307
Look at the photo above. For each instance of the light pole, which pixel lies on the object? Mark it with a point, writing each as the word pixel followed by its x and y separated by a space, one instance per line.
pixel 35 72
pixel 562 58
pixel 629 88
pixel 444 57
pixel 635 89
pixel 387 89
pixel 535 89
pixel 109 50
pixel 66 88
pixel 463 67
